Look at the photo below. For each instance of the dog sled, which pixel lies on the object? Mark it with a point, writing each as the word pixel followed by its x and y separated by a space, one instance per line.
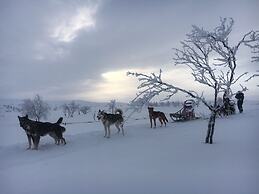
pixel 186 113
pixel 228 108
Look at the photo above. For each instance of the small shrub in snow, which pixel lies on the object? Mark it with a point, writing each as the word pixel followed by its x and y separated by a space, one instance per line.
pixel 36 108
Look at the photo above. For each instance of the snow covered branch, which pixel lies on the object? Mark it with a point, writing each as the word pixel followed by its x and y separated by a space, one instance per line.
pixel 218 41
pixel 153 85
pixel 253 76
pixel 195 54
pixel 254 45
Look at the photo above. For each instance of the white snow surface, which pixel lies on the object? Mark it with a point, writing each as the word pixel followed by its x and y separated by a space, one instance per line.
pixel 166 160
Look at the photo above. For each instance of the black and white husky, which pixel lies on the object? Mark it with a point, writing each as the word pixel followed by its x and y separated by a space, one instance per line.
pixel 111 119
pixel 35 129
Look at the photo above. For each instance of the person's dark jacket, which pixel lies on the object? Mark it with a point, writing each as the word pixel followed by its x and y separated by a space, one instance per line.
pixel 239 96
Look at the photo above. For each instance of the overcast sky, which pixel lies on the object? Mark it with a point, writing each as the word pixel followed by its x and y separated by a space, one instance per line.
pixel 64 49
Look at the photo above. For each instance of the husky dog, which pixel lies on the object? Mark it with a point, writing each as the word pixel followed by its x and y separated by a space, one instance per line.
pixel 153 115
pixel 35 129
pixel 110 119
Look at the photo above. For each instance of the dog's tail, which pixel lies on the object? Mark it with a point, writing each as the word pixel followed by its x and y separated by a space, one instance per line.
pixel 119 111
pixel 59 121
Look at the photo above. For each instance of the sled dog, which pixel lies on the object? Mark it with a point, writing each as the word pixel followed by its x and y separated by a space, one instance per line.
pixel 153 115
pixel 111 119
pixel 35 129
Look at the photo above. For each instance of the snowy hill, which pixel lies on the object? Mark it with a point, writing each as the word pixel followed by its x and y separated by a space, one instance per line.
pixel 170 159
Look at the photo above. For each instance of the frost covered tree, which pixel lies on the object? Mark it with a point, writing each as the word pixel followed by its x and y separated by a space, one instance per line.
pixel 254 45
pixel 213 62
pixel 70 108
pixel 84 109
pixel 27 107
pixel 35 108
pixel 255 50
pixel 65 109
pixel 225 53
pixel 112 106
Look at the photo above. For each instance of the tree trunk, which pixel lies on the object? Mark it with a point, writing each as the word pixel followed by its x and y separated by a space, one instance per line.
pixel 211 125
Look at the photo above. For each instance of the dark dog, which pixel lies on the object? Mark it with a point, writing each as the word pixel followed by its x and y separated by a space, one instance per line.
pixel 34 130
pixel 111 119
pixel 153 115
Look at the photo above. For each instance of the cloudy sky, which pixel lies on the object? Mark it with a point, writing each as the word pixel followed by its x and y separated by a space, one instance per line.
pixel 72 49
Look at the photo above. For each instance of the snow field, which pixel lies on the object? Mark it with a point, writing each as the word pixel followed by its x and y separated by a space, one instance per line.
pixel 170 159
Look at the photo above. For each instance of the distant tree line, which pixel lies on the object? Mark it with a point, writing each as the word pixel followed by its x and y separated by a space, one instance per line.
pixel 69 109
pixel 165 103
pixel 11 108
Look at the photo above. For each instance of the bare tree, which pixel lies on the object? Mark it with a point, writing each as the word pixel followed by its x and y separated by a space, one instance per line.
pixel 213 63
pixel 112 106
pixel 65 109
pixel 27 108
pixel 70 109
pixel 226 54
pixel 73 108
pixel 255 50
pixel 85 109
pixel 255 47
pixel 35 108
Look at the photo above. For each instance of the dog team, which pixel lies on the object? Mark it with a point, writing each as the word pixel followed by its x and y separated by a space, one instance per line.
pixel 35 129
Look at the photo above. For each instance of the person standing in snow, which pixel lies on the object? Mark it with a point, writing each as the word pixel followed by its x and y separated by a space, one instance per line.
pixel 240 99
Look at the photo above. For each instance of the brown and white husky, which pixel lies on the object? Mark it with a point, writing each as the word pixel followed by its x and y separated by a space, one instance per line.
pixel 153 115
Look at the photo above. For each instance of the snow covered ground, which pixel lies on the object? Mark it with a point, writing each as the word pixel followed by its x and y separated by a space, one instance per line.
pixel 170 159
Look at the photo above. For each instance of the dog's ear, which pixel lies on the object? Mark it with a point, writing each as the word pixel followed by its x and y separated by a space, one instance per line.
pixel 26 116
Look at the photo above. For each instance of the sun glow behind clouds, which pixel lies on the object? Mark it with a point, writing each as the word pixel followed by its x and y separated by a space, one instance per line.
pixel 117 85
pixel 114 85
pixel 68 29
